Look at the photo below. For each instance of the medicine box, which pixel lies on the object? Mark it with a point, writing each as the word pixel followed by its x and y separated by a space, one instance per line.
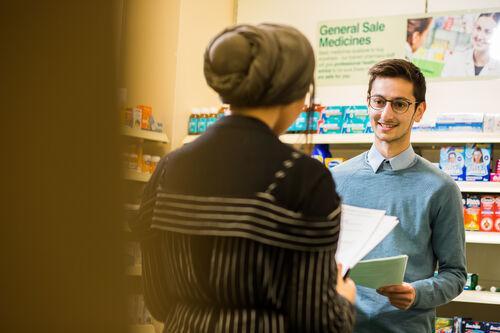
pixel 355 119
pixel 463 122
pixel 472 212
pixel 452 161
pixel 332 162
pixel 487 216
pixel 331 120
pixel 477 162
pixel 136 118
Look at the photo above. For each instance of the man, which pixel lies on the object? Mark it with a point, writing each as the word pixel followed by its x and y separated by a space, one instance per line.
pixel 390 176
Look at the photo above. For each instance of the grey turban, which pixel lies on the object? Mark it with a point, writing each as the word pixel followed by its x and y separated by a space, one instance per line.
pixel 261 65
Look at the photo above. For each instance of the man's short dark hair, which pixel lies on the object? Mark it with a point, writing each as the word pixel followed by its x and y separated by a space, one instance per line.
pixel 399 68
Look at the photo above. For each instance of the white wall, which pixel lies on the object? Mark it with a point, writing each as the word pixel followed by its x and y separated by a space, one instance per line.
pixel 455 96
pixel 163 42
pixel 199 22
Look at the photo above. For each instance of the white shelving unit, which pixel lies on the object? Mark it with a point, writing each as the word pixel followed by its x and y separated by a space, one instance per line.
pixel 136 176
pixel 144 134
pixel 417 138
pixel 480 297
pixel 481 237
pixel 482 187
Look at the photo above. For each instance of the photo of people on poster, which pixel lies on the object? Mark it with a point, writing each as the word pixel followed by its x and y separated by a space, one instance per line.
pixel 465 45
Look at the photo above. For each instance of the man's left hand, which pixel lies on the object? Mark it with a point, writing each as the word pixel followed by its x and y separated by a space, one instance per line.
pixel 401 296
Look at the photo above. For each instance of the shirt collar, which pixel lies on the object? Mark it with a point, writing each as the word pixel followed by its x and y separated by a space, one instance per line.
pixel 399 162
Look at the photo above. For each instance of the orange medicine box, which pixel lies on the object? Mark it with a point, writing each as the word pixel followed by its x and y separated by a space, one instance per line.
pixel 147 111
pixel 472 212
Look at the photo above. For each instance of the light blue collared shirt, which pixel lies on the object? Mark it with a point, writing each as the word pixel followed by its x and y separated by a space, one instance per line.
pixel 398 162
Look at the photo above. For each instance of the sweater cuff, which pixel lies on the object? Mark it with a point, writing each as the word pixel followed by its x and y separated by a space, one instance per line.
pixel 418 286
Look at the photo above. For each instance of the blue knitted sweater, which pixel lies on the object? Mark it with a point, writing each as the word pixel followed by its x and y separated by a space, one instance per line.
pixel 431 231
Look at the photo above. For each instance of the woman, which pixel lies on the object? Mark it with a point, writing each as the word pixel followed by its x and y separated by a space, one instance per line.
pixel 477 156
pixel 417 30
pixel 239 230
pixel 476 61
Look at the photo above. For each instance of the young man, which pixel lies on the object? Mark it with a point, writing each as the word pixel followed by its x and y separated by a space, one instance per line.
pixel 390 176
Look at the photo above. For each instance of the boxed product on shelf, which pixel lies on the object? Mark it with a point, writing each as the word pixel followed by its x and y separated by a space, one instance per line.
pixel 481 212
pixel 300 124
pixel 467 325
pixel 494 327
pixel 136 160
pixel 495 176
pixel 355 119
pixel 460 122
pixel 331 120
pixel 472 281
pixel 140 118
pixel 496 224
pixel 472 212
pixel 127 117
pixel 424 126
pixel 491 123
pixel 452 161
pixel 332 162
pixel 315 117
pixel 487 215
pixel 321 152
pixel 475 326
pixel 444 325
pixel 477 162
pixel 136 118
pixel 146 114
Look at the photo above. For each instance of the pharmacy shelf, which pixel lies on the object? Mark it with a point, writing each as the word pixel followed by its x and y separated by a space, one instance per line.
pixel 481 297
pixel 416 138
pixel 142 329
pixel 481 237
pixel 479 187
pixel 134 270
pixel 144 134
pixel 136 176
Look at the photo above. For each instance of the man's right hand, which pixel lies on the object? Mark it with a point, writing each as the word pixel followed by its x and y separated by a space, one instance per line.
pixel 345 287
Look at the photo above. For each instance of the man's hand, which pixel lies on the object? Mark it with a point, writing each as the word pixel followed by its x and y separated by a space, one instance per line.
pixel 401 296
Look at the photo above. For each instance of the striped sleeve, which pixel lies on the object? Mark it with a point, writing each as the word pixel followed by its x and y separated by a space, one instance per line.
pixel 313 304
pixel 154 277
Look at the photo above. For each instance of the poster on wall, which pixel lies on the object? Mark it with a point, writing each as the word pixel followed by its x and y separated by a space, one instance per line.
pixel 451 46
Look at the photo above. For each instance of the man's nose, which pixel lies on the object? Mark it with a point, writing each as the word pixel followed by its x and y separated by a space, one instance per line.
pixel 387 111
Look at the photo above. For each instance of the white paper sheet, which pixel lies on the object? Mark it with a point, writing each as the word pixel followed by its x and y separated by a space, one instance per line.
pixel 361 230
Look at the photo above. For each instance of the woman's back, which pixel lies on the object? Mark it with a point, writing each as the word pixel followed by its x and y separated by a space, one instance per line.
pixel 228 250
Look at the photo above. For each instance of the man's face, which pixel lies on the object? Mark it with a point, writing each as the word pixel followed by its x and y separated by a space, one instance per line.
pixel 389 126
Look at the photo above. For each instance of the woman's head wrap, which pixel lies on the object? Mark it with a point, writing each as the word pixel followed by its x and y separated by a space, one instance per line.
pixel 261 65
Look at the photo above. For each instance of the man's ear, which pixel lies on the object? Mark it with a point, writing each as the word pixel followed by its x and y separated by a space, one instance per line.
pixel 419 113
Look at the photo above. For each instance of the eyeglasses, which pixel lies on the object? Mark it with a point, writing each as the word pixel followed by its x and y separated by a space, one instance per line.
pixel 399 105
